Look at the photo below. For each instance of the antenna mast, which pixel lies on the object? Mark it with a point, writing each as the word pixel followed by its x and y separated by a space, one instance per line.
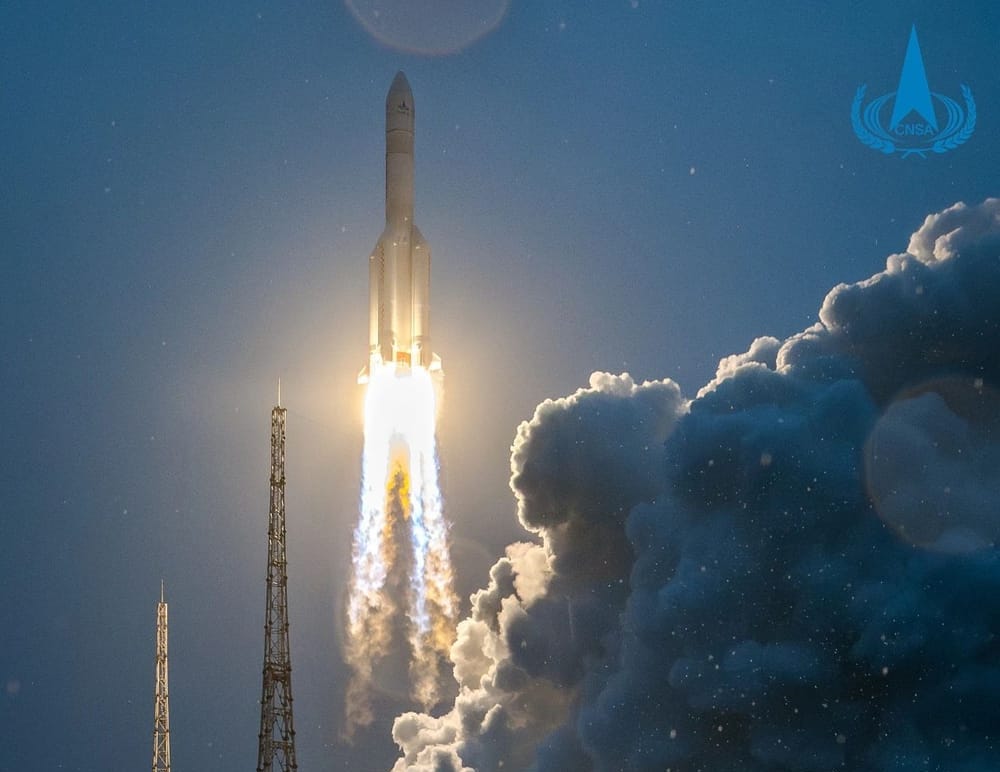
pixel 276 751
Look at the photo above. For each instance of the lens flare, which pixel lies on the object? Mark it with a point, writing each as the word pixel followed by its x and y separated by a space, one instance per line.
pixel 401 557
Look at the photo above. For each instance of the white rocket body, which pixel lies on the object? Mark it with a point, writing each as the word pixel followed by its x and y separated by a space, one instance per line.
pixel 400 264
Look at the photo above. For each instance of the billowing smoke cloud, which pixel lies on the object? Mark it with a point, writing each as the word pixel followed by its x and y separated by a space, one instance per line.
pixel 551 609
pixel 795 571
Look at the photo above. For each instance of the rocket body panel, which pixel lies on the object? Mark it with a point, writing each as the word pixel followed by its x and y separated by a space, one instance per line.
pixel 399 270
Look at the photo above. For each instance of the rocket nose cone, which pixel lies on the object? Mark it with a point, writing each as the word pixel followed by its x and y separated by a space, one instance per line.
pixel 400 86
pixel 399 105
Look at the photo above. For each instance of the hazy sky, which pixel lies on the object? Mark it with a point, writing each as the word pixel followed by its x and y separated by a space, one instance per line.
pixel 188 195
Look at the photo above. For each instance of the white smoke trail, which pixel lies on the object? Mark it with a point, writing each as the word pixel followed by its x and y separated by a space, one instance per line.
pixel 399 491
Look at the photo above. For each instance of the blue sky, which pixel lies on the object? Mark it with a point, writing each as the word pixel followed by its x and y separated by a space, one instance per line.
pixel 189 193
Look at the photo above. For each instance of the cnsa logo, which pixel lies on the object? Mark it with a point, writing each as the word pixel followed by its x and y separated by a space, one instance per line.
pixel 920 121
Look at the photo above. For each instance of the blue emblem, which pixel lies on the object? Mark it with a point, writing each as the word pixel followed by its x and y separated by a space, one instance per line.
pixel 913 127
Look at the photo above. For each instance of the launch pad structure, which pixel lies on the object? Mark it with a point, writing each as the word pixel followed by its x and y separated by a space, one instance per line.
pixel 276 750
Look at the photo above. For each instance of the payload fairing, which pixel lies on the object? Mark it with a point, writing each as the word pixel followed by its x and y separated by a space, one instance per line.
pixel 400 264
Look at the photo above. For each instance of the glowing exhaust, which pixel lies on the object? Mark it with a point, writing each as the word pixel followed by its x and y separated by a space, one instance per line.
pixel 401 525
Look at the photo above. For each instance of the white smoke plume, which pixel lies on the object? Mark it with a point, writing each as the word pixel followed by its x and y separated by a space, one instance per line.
pixel 578 467
pixel 797 570
pixel 401 582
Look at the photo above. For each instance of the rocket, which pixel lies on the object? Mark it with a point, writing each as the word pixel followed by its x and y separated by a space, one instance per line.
pixel 399 268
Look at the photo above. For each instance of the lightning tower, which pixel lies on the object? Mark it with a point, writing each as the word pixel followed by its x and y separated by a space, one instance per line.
pixel 276 751
pixel 161 702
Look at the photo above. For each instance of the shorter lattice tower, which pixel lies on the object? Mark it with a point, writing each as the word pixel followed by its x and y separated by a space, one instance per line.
pixel 276 752
pixel 161 703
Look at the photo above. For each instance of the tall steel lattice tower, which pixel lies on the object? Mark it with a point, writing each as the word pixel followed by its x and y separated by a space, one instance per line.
pixel 277 732
pixel 161 705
